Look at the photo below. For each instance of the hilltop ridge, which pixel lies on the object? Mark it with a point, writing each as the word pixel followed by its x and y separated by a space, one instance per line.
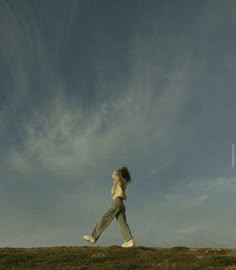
pixel 115 257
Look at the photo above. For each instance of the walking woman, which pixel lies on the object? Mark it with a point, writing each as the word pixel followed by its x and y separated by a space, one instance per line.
pixel 121 178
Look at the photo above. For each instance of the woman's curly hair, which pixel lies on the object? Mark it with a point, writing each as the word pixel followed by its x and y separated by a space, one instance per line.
pixel 125 173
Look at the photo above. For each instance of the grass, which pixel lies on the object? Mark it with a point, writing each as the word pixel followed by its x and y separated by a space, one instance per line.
pixel 116 258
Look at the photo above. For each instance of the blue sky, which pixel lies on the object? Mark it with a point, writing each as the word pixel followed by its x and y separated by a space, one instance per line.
pixel 89 86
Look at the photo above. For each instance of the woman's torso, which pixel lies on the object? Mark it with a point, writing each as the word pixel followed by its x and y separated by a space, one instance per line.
pixel 119 187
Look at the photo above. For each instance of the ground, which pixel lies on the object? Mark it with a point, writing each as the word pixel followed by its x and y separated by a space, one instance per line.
pixel 117 258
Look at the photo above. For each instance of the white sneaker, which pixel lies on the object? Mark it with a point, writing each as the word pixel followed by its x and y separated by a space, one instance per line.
pixel 89 238
pixel 128 244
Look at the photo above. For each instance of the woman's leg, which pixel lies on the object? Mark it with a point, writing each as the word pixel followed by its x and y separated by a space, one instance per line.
pixel 124 227
pixel 107 217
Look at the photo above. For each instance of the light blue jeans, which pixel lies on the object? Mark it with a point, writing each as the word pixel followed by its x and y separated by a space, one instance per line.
pixel 116 209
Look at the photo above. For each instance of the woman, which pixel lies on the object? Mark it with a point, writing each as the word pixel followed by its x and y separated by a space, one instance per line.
pixel 121 178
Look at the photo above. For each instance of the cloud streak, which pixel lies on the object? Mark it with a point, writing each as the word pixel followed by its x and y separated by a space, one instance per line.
pixel 65 138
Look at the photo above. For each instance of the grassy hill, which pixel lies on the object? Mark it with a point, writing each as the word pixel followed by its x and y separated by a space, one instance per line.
pixel 116 258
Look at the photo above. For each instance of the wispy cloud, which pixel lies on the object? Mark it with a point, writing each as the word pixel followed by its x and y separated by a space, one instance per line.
pixel 63 137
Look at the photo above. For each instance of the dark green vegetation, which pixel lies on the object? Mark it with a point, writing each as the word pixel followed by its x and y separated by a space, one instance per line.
pixel 116 258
